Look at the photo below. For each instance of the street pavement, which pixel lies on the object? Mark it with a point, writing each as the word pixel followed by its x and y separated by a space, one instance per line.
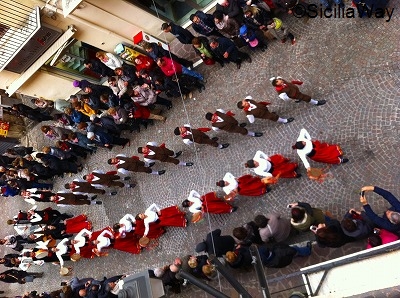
pixel 353 64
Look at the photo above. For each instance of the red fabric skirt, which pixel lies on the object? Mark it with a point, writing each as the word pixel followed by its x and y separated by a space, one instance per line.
pixel 85 251
pixel 251 186
pixel 213 204
pixel 326 153
pixel 128 244
pixel 76 224
pixel 172 217
pixel 283 167
pixel 155 229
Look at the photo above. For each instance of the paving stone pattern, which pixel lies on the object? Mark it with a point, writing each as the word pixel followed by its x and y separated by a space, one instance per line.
pixel 354 64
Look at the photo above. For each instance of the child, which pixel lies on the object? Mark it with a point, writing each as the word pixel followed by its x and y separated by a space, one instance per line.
pixel 281 32
pixel 251 38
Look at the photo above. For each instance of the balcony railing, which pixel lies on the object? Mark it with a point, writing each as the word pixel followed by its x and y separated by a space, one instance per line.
pixel 18 24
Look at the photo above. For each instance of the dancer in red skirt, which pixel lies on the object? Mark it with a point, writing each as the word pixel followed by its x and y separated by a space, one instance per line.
pixel 317 151
pixel 167 217
pixel 208 203
pixel 76 224
pixel 246 185
pixel 272 166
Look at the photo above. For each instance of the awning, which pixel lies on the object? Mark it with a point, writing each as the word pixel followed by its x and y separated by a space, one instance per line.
pixel 39 62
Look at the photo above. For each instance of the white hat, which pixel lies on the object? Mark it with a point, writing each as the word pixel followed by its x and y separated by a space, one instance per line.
pixel 248 97
pixel 90 135
pixel 275 78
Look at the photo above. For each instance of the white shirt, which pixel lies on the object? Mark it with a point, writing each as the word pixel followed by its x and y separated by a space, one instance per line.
pixel 104 241
pixel 219 119
pixel 127 221
pixel 263 164
pixel 120 162
pixel 233 184
pixel 151 216
pixel 62 249
pixel 251 107
pixel 113 61
pixel 304 136
pixel 149 155
pixel 82 240
pixel 194 197
pixel 187 141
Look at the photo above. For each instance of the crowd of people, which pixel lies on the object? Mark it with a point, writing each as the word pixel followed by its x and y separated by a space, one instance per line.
pixel 137 95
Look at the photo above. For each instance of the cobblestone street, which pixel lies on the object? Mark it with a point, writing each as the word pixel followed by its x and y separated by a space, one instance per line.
pixel 353 64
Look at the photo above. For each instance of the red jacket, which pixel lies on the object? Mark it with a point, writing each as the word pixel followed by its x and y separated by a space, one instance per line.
pixel 170 67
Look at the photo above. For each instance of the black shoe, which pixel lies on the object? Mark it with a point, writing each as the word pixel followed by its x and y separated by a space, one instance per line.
pixel 110 147
pixel 177 154
pixel 226 145
pixel 289 119
pixel 161 172
pixel 132 185
pixel 127 144
pixel 321 102
pixel 189 164
pixel 99 202
pixel 269 189
pixel 243 124
pixel 113 193
pixel 258 134
pixel 200 89
pixel 214 139
pixel 222 64
pixel 94 197
pixel 249 59
pixel 238 65
pixel 127 178
pixel 298 175
pixel 344 160
pixel 234 209
pixel 169 107
pixel 151 164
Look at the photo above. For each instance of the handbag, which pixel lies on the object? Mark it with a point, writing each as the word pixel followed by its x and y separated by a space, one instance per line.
pixel 209 61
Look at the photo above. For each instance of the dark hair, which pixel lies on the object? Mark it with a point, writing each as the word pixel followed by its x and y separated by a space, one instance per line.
pixel 196 40
pixel 164 26
pixel 269 22
pixel 240 233
pixel 298 214
pixel 328 236
pixel 39 155
pixel 220 183
pixel 250 164
pixel 274 82
pixel 186 203
pixel 261 221
pixel 140 149
pixel 192 17
pixel 84 177
pixel 177 132
pixel 240 105
pixel 209 116
pixel 374 240
pixel 109 161
pixel 298 145
pixel 348 225
pixel 66 185
pixel 137 217
pixel 87 61
pixel 116 227
pixel 219 15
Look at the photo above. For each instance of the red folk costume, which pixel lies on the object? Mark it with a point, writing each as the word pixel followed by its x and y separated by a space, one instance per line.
pixel 76 224
pixel 249 185
pixel 172 217
pixel 283 167
pixel 155 230
pixel 213 204
pixel 128 244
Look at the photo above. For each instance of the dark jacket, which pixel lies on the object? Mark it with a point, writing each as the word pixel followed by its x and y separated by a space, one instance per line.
pixel 183 35
pixel 208 20
pixel 222 244
pixel 232 10
pixel 226 45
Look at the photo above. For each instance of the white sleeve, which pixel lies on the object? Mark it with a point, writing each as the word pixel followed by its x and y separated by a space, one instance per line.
pixel 123 171
pixel 304 133
pixel 83 232
pixel 30 200
pixel 152 143
pixel 187 141
pixel 303 158
pixel 194 194
pixel 215 128
pixel 146 227
pixel 221 110
pixel 260 154
pixel 153 206
pixel 130 217
pixel 60 259
pixel 229 177
pixel 284 96
pixel 77 249
pixel 36 218
pixel 250 118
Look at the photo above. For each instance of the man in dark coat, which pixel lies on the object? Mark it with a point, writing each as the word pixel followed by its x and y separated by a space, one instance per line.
pixel 230 8
pixel 154 51
pixel 216 244
pixel 183 35
pixel 18 276
pixel 98 67
pixel 203 24
pixel 33 114
pixel 226 50
pixel 153 152
pixel 226 122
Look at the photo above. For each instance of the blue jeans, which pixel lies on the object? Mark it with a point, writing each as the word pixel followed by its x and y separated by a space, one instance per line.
pixel 192 73
pixel 302 251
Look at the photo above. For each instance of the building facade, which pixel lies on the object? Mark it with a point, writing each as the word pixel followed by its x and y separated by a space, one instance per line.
pixel 44 42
